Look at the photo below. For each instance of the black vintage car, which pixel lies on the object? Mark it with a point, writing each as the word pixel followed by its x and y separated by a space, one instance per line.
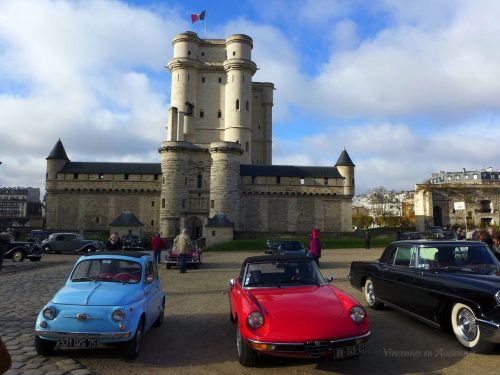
pixel 19 250
pixel 452 285
pixel 285 247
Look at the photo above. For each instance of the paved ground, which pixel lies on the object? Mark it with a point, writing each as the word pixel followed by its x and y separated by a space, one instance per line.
pixel 197 337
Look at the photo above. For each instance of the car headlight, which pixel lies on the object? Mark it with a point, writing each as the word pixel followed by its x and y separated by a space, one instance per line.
pixel 357 314
pixel 497 297
pixel 118 315
pixel 49 313
pixel 255 319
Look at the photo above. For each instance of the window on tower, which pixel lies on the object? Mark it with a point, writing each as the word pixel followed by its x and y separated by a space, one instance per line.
pixel 202 79
pixel 219 114
pixel 202 114
pixel 247 105
pixel 237 104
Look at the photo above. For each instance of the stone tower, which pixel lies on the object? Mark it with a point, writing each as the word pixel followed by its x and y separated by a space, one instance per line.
pixel 345 166
pixel 218 119
pixel 56 160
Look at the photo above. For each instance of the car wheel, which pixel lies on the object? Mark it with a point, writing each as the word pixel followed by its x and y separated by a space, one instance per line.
pixel 369 292
pixel 468 333
pixel 169 266
pixel 89 250
pixel 246 355
pixel 46 249
pixel 17 256
pixel 158 322
pixel 35 259
pixel 133 347
pixel 44 347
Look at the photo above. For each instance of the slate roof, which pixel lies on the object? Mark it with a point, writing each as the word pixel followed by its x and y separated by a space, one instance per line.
pixel 288 171
pixel 219 220
pixel 58 152
pixel 126 219
pixel 345 160
pixel 117 168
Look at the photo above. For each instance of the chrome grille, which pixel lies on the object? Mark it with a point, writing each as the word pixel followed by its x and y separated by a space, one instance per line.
pixel 316 348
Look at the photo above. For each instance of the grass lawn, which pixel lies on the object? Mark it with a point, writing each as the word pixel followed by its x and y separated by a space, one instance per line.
pixel 328 243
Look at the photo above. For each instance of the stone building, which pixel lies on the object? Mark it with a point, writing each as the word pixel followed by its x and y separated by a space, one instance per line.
pixel 479 190
pixel 216 160
pixel 19 206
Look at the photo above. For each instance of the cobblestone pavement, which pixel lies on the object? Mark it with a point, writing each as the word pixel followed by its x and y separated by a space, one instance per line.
pixel 25 287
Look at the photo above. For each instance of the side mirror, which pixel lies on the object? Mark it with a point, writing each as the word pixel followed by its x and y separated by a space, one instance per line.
pixel 329 278
pixel 232 283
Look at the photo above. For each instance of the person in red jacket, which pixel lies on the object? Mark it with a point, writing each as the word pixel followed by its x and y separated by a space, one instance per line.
pixel 157 246
pixel 315 246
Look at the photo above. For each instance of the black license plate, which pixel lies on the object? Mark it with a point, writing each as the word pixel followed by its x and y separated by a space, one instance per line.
pixel 348 351
pixel 77 343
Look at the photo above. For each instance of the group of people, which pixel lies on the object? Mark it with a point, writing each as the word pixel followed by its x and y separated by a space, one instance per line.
pixel 182 245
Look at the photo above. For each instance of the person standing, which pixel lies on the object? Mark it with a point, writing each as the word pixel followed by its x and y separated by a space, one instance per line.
pixel 114 242
pixel 184 246
pixel 368 239
pixel 315 245
pixel 157 245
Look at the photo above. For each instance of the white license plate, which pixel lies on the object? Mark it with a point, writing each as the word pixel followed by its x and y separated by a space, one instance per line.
pixel 77 343
pixel 349 351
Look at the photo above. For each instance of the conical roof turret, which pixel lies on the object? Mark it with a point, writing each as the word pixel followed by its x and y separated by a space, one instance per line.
pixel 58 152
pixel 344 160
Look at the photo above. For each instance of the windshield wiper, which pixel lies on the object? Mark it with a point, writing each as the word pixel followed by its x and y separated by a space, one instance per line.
pixel 84 279
pixel 262 283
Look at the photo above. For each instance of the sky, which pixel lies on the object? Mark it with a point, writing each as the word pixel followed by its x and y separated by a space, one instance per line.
pixel 408 88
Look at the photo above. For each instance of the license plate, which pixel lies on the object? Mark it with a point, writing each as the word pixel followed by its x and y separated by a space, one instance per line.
pixel 77 343
pixel 349 351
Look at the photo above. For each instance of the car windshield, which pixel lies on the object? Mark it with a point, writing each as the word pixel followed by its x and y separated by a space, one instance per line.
pixel 469 258
pixel 291 246
pixel 282 273
pixel 112 270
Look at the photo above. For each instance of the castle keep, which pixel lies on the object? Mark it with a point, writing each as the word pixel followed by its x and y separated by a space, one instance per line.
pixel 216 174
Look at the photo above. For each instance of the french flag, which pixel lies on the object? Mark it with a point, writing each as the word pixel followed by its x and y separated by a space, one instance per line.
pixel 197 17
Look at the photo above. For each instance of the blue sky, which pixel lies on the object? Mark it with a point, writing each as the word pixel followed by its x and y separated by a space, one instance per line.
pixel 407 87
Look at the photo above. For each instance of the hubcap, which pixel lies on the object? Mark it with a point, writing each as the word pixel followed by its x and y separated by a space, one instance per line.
pixel 370 293
pixel 17 256
pixel 466 323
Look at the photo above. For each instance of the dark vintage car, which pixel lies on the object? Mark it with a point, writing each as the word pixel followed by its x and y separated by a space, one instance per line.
pixel 70 242
pixel 283 306
pixel 131 242
pixel 453 285
pixel 20 250
pixel 409 236
pixel 285 247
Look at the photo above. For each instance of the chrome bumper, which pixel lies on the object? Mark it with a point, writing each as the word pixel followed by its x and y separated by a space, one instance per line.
pixel 312 348
pixel 82 335
pixel 490 331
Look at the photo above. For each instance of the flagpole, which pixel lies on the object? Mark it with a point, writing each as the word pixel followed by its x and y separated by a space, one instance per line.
pixel 205 24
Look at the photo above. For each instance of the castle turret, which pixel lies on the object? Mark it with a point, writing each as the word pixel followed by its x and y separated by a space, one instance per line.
pixel 238 100
pixel 345 166
pixel 56 160
pixel 184 67
pixel 224 177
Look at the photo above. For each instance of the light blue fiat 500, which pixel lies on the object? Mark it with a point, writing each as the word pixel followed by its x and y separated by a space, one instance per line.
pixel 110 298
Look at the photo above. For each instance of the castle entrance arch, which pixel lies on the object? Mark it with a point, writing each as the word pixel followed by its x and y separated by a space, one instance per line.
pixel 194 226
pixel 438 216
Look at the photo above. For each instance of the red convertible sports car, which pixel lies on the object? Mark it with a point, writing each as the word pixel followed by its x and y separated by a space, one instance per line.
pixel 283 306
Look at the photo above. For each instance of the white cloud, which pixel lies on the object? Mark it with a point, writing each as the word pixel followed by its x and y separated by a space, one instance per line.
pixel 75 70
